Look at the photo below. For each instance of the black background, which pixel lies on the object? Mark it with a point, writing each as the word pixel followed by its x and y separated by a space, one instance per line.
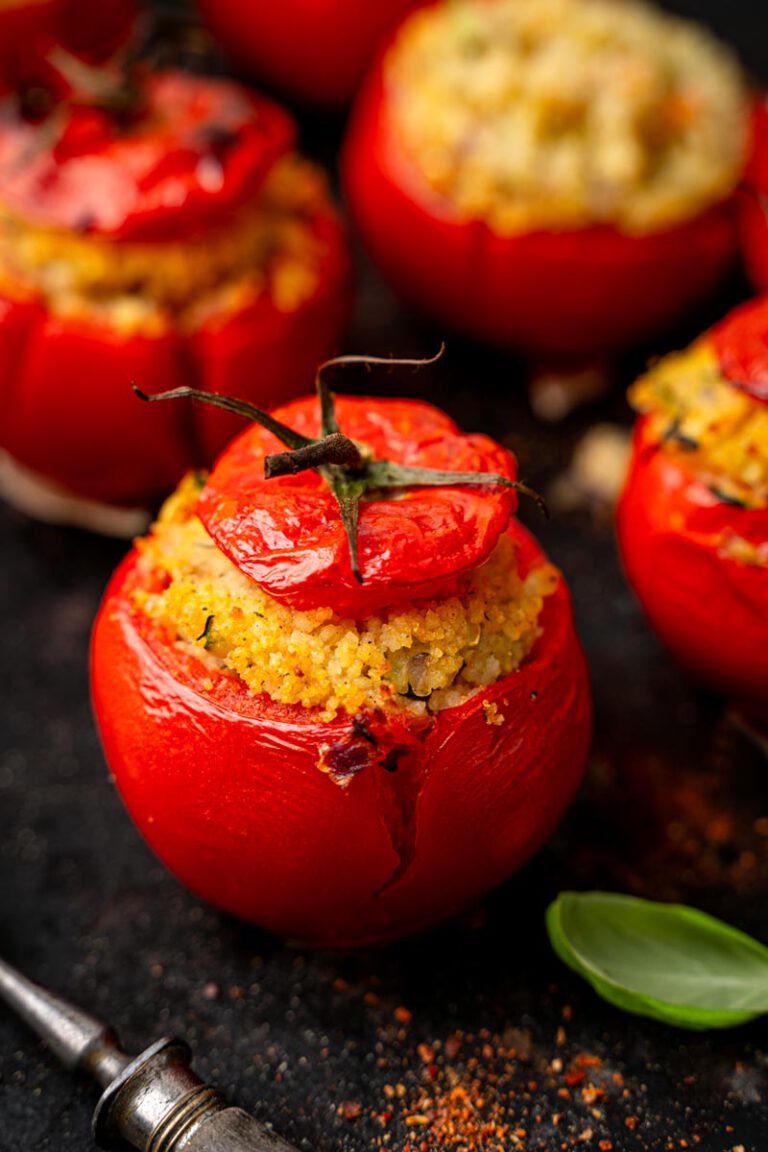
pixel 672 809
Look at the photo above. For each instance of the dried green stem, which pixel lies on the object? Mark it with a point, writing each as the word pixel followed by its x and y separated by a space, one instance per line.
pixel 238 407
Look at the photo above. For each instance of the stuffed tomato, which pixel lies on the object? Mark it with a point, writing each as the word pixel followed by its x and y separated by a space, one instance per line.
pixel 313 50
pixel 693 518
pixel 160 231
pixel 343 725
pixel 547 174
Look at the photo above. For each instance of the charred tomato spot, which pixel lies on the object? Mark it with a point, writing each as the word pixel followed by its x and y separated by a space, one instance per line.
pixel 362 730
pixel 391 761
pixel 346 758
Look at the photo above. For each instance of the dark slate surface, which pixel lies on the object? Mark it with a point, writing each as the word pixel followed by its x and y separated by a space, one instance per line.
pixel 675 807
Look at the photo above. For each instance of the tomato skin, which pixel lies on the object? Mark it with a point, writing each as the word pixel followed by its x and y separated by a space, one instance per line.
pixel 70 415
pixel 433 535
pixel 753 219
pixel 198 151
pixel 709 610
pixel 313 50
pixel 227 790
pixel 741 345
pixel 578 293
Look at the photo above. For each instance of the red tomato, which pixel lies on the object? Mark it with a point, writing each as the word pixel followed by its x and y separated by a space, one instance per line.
pixel 314 50
pixel 573 293
pixel 434 535
pixel 709 606
pixel 741 344
pixel 753 202
pixel 363 828
pixel 199 150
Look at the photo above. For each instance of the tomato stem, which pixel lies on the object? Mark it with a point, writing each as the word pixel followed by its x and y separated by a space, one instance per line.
pixel 334 448
pixel 239 407
pixel 349 472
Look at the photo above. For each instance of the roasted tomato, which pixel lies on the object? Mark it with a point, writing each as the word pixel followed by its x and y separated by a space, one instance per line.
pixel 693 519
pixel 163 233
pixel 343 704
pixel 313 50
pixel 754 201
pixel 541 186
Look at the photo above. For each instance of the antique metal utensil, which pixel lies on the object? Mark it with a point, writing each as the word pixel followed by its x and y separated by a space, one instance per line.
pixel 153 1102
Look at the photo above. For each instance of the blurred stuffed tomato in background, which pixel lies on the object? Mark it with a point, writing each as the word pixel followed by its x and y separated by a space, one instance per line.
pixel 693 518
pixel 312 50
pixel 160 230
pixel 548 175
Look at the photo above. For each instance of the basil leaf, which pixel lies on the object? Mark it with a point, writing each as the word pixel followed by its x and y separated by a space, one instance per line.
pixel 665 961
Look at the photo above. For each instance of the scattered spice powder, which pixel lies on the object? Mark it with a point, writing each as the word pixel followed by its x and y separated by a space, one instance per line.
pixel 514 1090
pixel 350 1109
pixel 475 1093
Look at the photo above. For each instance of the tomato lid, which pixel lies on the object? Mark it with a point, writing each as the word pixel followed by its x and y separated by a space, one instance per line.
pixel 741 346
pixel 286 533
pixel 196 149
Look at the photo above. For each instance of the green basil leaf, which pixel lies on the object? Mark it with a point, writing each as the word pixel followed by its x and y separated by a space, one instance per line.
pixel 665 961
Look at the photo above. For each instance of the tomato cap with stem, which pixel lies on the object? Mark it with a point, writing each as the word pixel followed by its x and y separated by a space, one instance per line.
pixel 359 481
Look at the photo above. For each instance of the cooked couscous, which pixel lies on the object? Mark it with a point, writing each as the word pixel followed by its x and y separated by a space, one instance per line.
pixel 146 288
pixel 716 429
pixel 420 657
pixel 563 113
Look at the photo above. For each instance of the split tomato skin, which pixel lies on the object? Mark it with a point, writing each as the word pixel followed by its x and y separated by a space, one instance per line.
pixel 710 610
pixel 575 294
pixel 315 51
pixel 309 829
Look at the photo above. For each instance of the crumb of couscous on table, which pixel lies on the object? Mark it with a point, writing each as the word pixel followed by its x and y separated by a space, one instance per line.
pixel 420 657
pixel 564 113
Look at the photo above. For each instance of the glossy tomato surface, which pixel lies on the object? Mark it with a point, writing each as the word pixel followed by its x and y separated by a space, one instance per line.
pixel 194 150
pixel 309 829
pixel 313 50
pixel 753 201
pixel 574 293
pixel 709 609
pixel 285 533
pixel 198 151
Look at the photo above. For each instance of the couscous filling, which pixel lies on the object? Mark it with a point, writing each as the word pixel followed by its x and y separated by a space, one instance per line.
pixel 419 657
pixel 147 288
pixel 719 432
pixel 563 113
